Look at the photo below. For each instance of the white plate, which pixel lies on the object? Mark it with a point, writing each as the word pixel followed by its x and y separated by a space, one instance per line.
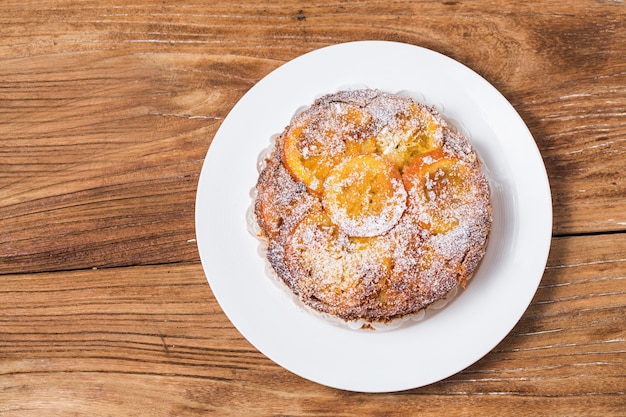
pixel 411 356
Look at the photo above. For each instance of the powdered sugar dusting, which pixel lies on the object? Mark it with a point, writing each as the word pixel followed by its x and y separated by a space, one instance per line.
pixel 373 251
pixel 375 204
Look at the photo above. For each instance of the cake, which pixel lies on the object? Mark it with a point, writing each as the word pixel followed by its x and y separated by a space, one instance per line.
pixel 372 206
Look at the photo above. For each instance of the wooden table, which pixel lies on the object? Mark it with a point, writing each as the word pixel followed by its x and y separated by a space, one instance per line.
pixel 107 109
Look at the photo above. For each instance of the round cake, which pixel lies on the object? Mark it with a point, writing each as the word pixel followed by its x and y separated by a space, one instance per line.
pixel 372 206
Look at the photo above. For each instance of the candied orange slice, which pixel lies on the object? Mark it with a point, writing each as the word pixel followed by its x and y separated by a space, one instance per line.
pixel 443 189
pixel 410 134
pixel 364 195
pixel 312 147
pixel 309 163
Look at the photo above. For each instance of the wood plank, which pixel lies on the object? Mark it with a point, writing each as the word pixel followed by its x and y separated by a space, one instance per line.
pixel 153 340
pixel 106 112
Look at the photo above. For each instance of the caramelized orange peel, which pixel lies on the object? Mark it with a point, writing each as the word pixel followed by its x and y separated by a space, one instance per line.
pixel 364 195
pixel 411 134
pixel 311 150
pixel 440 186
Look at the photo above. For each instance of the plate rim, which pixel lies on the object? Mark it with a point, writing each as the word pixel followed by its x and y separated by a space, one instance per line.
pixel 226 303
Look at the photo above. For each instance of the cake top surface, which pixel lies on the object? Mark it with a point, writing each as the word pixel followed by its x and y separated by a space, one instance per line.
pixel 372 205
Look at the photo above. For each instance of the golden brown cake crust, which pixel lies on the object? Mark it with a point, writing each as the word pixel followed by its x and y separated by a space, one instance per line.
pixel 372 207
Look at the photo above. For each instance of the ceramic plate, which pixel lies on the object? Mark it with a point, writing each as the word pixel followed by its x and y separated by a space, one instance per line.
pixel 413 355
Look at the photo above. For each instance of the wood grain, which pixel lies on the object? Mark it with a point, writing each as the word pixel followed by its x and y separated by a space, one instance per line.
pixel 107 110
pixel 154 338
pixel 101 103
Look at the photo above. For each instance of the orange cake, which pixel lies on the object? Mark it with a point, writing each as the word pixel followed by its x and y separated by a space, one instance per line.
pixel 372 206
